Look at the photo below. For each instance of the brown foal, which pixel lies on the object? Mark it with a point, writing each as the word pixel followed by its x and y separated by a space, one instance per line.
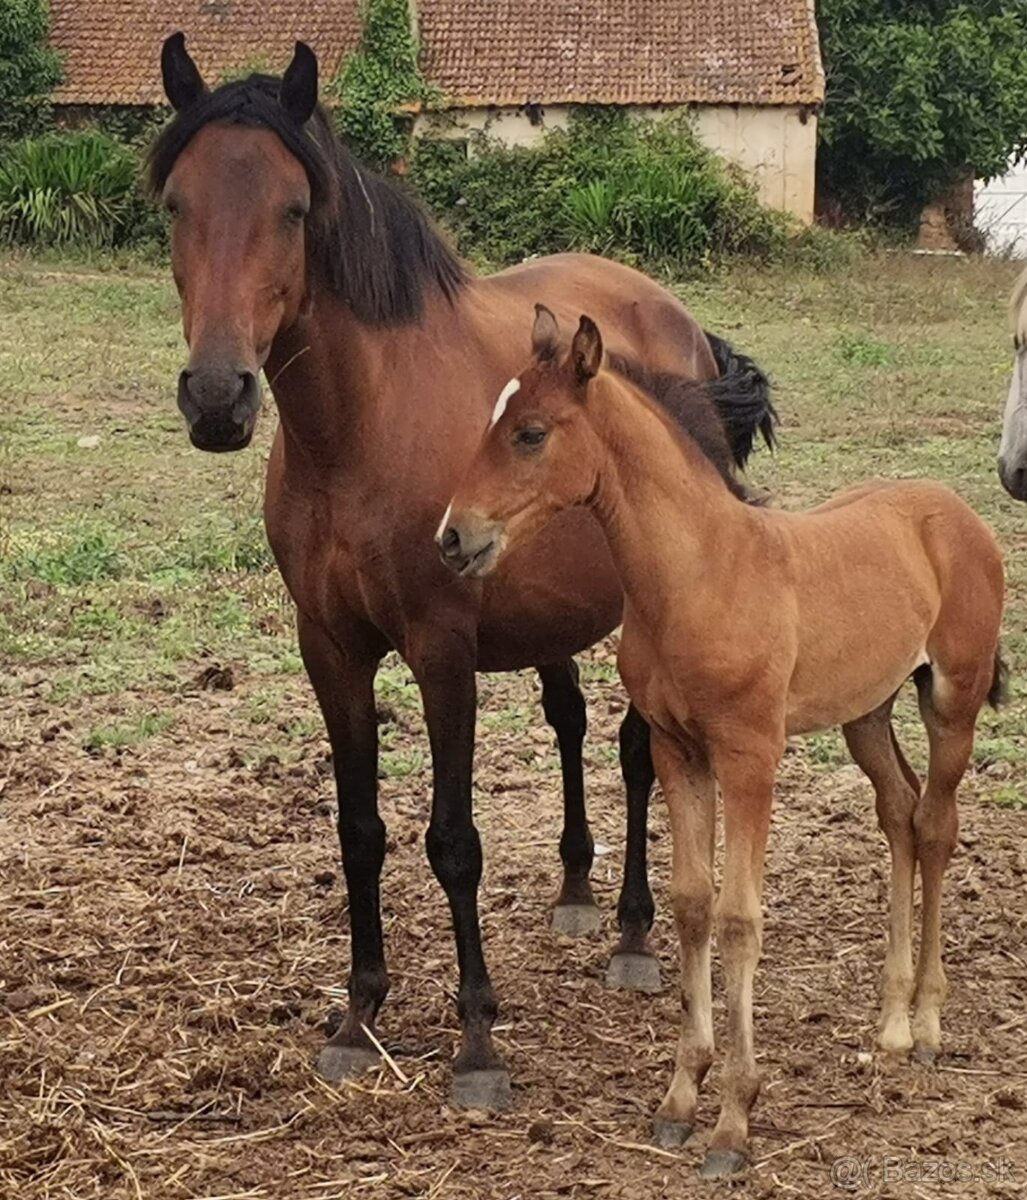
pixel 885 581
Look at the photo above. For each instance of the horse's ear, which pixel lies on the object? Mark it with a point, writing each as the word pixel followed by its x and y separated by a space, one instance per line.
pixel 183 83
pixel 545 334
pixel 298 93
pixel 587 350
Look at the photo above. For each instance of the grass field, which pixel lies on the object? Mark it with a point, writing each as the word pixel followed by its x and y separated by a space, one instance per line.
pixel 127 557
pixel 160 749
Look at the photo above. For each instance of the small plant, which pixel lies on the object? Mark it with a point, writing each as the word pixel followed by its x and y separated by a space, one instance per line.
pixel 29 69
pixel 69 190
pixel 90 553
pixel 863 350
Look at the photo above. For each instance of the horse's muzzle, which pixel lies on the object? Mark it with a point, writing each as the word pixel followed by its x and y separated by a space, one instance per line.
pixel 1014 478
pixel 470 548
pixel 220 406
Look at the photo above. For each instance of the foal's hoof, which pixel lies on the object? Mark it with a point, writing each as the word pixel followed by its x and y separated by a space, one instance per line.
pixel 926 1056
pixel 336 1063
pixel 720 1164
pixel 634 973
pixel 576 920
pixel 489 1090
pixel 670 1135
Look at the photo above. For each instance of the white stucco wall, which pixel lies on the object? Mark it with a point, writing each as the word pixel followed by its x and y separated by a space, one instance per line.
pixel 776 145
pixel 1000 211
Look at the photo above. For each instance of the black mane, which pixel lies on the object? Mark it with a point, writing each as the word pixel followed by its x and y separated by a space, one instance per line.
pixel 721 417
pixel 370 243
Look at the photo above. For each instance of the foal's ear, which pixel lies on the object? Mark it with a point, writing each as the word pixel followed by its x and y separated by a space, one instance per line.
pixel 298 93
pixel 183 83
pixel 545 335
pixel 587 350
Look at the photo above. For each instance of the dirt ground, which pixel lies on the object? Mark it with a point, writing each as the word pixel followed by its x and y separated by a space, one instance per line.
pixel 175 937
pixel 173 926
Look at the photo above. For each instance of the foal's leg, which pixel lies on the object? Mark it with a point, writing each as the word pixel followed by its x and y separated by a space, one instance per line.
pixel 342 673
pixel 949 712
pixel 871 741
pixel 445 674
pixel 691 795
pixel 746 780
pixel 576 912
pixel 633 964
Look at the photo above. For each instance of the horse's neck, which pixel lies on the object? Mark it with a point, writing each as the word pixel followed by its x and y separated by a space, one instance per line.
pixel 322 373
pixel 666 512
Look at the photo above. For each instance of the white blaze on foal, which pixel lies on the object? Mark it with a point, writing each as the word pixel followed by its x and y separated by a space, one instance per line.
pixel 511 389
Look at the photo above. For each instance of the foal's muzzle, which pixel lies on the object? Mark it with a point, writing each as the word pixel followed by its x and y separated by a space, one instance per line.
pixel 470 546
pixel 220 406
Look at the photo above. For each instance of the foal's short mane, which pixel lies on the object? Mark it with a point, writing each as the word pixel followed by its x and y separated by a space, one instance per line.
pixel 370 243
pixel 694 410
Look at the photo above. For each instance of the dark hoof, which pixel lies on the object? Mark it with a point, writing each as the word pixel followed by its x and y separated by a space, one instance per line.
pixel 720 1164
pixel 576 920
pixel 926 1056
pixel 489 1090
pixel 670 1135
pixel 336 1063
pixel 634 973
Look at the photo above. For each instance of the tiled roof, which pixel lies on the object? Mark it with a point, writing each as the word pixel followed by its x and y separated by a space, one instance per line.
pixel 622 51
pixel 112 47
pixel 477 52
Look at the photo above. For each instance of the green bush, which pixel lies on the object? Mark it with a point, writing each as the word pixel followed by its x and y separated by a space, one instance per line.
pixel 921 94
pixel 71 190
pixel 29 69
pixel 646 190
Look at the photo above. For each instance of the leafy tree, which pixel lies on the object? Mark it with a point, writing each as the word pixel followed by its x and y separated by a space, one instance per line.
pixel 29 69
pixel 920 94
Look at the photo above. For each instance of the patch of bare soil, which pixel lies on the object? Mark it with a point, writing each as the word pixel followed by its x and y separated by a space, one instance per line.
pixel 173 939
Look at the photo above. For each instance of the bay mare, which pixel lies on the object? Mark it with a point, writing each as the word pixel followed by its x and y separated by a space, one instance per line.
pixel 743 626
pixel 381 348
pixel 1012 455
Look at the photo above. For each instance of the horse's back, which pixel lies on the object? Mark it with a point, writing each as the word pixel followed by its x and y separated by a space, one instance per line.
pixel 640 318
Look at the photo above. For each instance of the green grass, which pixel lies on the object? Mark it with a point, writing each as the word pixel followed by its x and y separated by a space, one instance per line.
pixel 126 564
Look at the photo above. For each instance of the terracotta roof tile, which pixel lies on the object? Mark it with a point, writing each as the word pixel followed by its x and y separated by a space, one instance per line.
pixel 478 52
pixel 622 51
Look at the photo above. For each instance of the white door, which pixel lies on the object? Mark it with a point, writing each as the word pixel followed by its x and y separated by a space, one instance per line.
pixel 1000 211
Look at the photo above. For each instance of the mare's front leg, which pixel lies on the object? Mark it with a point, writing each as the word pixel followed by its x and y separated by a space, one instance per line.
pixel 342 672
pixel 575 912
pixel 745 764
pixel 445 672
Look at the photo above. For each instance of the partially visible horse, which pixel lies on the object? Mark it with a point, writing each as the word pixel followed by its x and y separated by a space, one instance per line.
pixel 381 347
pixel 743 626
pixel 1012 454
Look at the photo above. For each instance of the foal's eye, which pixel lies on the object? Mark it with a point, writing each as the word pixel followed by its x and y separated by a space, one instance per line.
pixel 532 437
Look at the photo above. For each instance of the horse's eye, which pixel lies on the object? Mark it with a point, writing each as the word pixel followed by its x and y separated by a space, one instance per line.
pixel 532 437
pixel 295 214
pixel 172 208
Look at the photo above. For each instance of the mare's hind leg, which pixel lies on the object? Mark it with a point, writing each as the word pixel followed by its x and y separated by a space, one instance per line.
pixel 949 708
pixel 575 912
pixel 633 965
pixel 871 741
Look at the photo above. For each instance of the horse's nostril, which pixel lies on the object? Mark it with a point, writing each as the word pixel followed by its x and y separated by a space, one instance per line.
pixel 450 541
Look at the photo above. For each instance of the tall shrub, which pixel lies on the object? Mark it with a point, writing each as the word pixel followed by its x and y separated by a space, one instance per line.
pixel 29 69
pixel 649 190
pixel 920 93
pixel 377 81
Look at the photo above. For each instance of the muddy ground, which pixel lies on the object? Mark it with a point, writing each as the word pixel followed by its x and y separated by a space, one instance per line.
pixel 174 939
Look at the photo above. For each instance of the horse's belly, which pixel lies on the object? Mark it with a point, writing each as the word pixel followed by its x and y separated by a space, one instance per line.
pixel 550 599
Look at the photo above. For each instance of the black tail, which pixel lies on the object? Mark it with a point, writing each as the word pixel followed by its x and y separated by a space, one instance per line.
pixel 742 397
pixel 998 693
